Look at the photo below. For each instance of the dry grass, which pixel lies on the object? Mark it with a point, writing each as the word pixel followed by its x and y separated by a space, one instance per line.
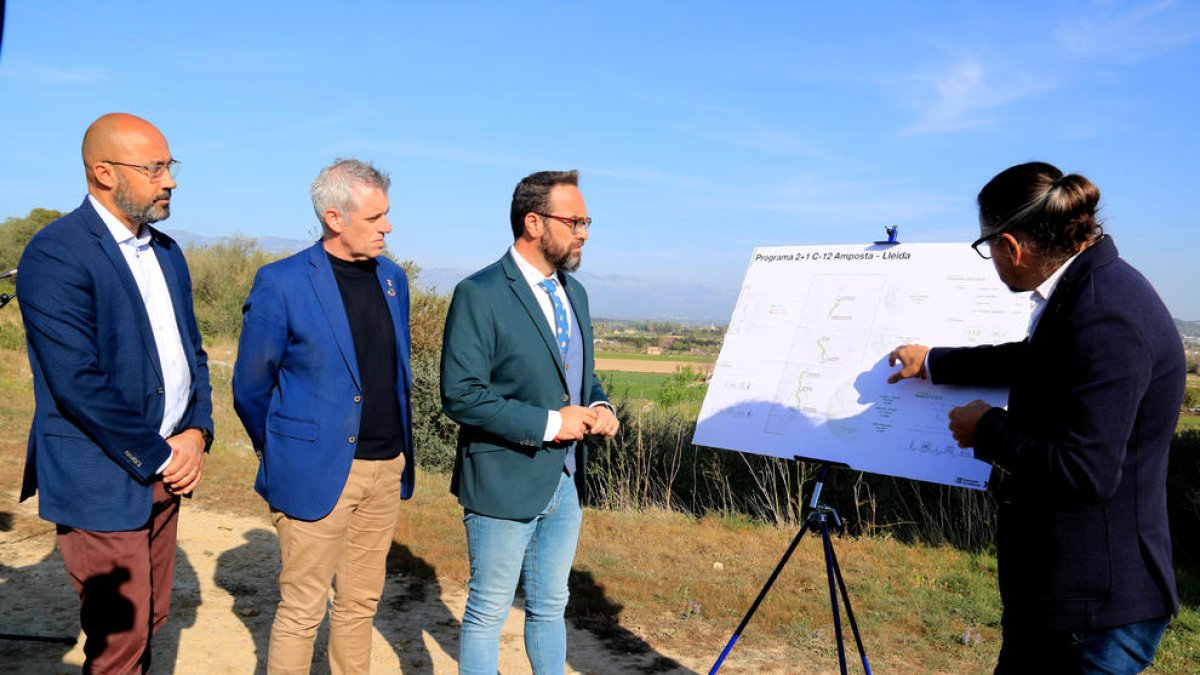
pixel 684 584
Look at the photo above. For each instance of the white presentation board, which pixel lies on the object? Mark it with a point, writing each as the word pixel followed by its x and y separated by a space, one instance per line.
pixel 803 370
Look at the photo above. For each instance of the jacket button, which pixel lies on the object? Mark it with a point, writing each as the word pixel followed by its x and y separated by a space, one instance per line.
pixel 565 398
pixel 160 391
pixel 358 399
pixel 351 439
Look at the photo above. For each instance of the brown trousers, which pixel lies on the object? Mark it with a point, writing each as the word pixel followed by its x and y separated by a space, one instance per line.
pixel 124 584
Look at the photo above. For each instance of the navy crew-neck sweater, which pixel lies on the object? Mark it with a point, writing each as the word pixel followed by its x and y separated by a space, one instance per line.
pixel 380 435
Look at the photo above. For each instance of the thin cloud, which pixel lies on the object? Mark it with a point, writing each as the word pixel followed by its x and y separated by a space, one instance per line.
pixel 405 148
pixel 808 198
pixel 969 95
pixel 767 140
pixel 973 93
pixel 1130 35
pixel 55 74
pixel 835 204
pixel 660 178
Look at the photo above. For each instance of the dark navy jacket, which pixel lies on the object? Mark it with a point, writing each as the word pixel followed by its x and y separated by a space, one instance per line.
pixel 1081 453
pixel 94 446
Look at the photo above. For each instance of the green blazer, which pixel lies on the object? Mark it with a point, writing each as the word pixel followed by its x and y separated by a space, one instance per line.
pixel 501 374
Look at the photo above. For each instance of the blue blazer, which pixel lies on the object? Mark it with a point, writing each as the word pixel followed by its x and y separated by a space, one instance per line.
pixel 296 382
pixel 501 373
pixel 94 445
pixel 1081 453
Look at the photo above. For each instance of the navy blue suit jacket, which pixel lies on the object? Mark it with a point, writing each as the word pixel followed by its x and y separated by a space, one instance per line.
pixel 296 382
pixel 94 445
pixel 502 372
pixel 1081 453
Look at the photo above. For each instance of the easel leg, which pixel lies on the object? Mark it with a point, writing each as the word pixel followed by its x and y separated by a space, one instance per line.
pixel 819 513
pixel 757 601
pixel 832 565
pixel 833 592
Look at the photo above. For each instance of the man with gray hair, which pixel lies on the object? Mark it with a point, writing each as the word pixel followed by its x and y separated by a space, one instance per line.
pixel 322 384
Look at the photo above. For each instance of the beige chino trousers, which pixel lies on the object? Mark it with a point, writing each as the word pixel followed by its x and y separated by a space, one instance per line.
pixel 346 549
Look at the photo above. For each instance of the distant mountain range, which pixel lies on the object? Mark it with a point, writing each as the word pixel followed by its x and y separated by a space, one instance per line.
pixel 612 296
pixel 268 244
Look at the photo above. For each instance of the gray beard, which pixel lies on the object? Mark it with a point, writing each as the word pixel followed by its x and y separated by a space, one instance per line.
pixel 562 261
pixel 137 214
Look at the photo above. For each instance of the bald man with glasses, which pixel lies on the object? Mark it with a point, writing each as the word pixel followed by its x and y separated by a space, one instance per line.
pixel 120 377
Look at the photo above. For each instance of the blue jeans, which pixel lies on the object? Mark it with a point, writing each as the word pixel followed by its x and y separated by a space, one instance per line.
pixel 538 551
pixel 1127 649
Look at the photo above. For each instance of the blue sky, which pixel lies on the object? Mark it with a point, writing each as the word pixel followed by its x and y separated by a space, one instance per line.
pixel 702 129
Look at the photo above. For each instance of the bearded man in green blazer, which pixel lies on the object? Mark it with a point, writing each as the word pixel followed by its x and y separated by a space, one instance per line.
pixel 518 376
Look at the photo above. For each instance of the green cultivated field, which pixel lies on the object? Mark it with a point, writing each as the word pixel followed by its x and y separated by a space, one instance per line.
pixel 632 385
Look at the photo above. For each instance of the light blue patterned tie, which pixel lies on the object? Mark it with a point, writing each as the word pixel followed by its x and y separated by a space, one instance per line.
pixel 560 317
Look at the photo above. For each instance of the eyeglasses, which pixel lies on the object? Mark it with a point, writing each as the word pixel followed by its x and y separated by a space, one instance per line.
pixel 984 240
pixel 153 171
pixel 576 224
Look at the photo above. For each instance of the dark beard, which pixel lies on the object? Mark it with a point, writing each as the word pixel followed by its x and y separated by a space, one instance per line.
pixel 137 214
pixel 561 260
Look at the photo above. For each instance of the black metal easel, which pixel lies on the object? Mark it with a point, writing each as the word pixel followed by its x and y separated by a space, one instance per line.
pixel 5 297
pixel 69 641
pixel 818 516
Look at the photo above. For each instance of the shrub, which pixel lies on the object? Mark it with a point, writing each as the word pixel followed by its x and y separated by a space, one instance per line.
pixel 1191 397
pixel 222 275
pixel 1183 496
pixel 653 464
pixel 434 434
pixel 15 233
pixel 685 385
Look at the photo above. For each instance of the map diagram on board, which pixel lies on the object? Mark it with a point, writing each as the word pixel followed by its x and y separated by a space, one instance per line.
pixel 803 371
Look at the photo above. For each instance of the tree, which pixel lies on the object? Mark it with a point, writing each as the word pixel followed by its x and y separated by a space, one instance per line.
pixel 15 233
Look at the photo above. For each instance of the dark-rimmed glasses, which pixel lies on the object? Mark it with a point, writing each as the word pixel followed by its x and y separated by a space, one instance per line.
pixel 153 171
pixel 983 240
pixel 576 224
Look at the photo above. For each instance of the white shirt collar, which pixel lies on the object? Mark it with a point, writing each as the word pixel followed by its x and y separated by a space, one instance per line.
pixel 118 229
pixel 532 274
pixel 533 277
pixel 1041 295
pixel 1046 288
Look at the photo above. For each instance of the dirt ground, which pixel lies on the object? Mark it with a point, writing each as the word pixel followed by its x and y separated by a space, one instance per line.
pixel 647 366
pixel 224 597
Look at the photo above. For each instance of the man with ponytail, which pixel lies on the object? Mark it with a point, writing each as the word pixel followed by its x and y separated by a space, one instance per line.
pixel 1080 455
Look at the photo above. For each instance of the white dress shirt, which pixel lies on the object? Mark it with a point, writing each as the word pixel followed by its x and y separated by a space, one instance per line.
pixel 533 276
pixel 1041 294
pixel 143 263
